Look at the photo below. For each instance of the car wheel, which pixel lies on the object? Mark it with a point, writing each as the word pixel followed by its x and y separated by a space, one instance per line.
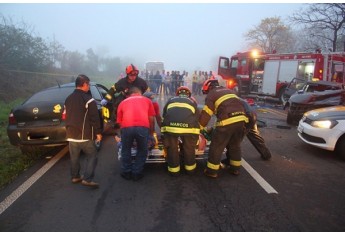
pixel 289 119
pixel 340 147
pixel 282 98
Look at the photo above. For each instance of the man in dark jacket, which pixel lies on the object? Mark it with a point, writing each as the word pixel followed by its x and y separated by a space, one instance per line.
pixel 83 126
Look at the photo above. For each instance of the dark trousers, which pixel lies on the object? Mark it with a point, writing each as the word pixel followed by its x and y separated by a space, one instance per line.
pixel 89 149
pixel 187 149
pixel 128 135
pixel 229 137
pixel 258 142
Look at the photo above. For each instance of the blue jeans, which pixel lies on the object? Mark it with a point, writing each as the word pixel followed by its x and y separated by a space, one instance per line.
pixel 128 135
pixel 89 149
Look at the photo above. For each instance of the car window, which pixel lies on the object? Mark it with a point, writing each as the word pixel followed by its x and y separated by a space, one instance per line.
pixel 102 90
pixel 321 87
pixel 297 84
pixel 95 93
pixel 58 94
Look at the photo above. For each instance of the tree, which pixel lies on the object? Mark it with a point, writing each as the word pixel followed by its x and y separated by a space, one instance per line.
pixel 20 50
pixel 270 35
pixel 323 24
pixel 73 62
pixel 56 51
pixel 92 62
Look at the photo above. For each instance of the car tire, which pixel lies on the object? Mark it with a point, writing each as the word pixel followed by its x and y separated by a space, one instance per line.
pixel 281 96
pixel 289 119
pixel 340 147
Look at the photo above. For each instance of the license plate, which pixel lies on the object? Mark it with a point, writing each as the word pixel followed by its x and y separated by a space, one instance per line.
pixel 300 129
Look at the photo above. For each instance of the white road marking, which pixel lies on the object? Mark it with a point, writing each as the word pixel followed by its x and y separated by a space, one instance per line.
pixel 266 186
pixel 29 182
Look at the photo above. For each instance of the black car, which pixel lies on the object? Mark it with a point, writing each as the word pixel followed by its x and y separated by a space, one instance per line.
pixel 298 104
pixel 39 121
pixel 300 86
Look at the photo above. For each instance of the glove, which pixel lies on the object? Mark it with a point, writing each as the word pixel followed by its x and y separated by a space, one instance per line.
pixel 104 102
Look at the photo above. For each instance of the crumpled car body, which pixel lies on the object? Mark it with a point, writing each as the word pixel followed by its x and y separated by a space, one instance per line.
pixel 298 104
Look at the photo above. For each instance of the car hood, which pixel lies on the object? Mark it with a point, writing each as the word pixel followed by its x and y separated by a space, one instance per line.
pixel 330 97
pixel 331 113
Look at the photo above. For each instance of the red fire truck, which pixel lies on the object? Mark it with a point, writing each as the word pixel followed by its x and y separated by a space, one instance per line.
pixel 269 74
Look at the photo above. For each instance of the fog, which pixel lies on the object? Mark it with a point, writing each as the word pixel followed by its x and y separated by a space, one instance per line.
pixel 184 36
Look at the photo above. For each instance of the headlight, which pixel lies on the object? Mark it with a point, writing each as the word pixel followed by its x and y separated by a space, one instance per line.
pixel 324 124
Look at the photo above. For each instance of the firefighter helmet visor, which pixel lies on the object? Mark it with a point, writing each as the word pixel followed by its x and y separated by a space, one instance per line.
pixel 132 70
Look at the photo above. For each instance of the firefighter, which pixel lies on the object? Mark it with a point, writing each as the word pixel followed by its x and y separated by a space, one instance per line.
pixel 119 91
pixel 253 135
pixel 229 127
pixel 180 120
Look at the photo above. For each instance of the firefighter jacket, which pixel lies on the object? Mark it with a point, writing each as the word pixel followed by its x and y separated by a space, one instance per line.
pixel 122 86
pixel 225 105
pixel 82 116
pixel 180 116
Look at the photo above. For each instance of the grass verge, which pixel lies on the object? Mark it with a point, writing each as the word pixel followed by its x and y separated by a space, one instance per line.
pixel 12 161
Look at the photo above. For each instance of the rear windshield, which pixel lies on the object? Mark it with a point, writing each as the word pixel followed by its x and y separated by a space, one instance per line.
pixel 58 94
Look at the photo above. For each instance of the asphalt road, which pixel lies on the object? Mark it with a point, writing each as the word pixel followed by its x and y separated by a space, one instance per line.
pixel 308 194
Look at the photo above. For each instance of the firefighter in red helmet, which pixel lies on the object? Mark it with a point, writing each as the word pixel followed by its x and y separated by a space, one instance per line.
pixel 229 128
pixel 180 120
pixel 119 91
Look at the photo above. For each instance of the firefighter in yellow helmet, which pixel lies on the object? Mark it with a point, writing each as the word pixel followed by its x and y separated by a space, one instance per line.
pixel 229 128
pixel 180 120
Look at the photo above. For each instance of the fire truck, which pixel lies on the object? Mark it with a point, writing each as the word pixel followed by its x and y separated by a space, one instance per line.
pixel 261 74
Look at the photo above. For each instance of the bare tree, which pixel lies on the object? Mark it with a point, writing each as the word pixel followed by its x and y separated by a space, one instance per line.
pixel 323 23
pixel 270 35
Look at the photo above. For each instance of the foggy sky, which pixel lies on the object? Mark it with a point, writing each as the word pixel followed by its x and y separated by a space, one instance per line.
pixel 184 36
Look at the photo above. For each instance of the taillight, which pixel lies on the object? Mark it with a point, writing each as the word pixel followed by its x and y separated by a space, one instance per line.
pixel 12 119
pixel 63 115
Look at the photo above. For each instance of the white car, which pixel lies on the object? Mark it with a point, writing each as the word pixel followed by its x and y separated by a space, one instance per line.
pixel 324 128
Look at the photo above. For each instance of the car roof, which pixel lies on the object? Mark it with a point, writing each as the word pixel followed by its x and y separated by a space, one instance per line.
pixel 55 92
pixel 322 82
pixel 72 84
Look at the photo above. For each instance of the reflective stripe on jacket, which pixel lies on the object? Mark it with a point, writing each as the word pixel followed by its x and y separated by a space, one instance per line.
pixel 180 116
pixel 223 103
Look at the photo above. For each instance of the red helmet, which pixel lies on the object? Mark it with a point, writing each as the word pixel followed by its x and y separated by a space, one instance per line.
pixel 183 90
pixel 131 69
pixel 209 83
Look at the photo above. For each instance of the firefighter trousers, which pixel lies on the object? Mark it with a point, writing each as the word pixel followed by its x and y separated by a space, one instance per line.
pixel 229 137
pixel 258 142
pixel 187 151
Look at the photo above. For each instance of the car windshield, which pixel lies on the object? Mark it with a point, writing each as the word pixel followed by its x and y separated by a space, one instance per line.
pixel 297 84
pixel 321 87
